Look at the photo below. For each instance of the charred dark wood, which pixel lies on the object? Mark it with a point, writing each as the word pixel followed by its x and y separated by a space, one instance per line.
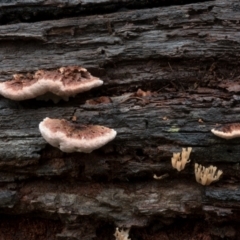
pixel 35 10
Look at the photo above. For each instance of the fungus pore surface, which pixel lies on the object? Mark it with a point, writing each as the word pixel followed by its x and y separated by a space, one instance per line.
pixel 179 160
pixel 206 176
pixel 73 137
pixel 227 131
pixel 63 82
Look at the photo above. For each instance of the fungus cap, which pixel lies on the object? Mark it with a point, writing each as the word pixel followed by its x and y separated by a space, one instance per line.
pixel 63 82
pixel 72 137
pixel 227 131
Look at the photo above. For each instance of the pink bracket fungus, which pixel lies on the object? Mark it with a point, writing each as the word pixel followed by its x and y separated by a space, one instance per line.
pixel 206 176
pixel 61 83
pixel 227 131
pixel 72 137
pixel 122 234
pixel 179 160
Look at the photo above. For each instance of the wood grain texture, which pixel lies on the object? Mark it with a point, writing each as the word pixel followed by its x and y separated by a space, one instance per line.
pixel 187 56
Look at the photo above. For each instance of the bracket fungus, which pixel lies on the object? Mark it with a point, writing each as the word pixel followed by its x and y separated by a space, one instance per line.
pixel 179 160
pixel 206 176
pixel 122 234
pixel 55 84
pixel 227 131
pixel 73 137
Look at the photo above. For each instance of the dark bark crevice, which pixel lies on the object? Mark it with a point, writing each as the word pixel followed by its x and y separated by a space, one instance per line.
pixel 34 11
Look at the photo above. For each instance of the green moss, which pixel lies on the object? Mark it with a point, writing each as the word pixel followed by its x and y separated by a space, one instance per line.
pixel 173 129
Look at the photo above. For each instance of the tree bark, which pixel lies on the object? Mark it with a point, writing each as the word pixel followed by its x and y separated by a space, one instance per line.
pixel 187 56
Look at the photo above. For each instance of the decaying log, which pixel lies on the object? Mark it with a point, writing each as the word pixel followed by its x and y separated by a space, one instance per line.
pixel 186 56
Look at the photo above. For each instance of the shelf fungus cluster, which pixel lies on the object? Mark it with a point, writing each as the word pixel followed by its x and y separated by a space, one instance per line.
pixel 206 176
pixel 73 137
pixel 179 160
pixel 57 84
pixel 227 131
pixel 121 234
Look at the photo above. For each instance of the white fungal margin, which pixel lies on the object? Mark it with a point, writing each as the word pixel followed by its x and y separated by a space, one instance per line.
pixel 67 143
pixel 63 83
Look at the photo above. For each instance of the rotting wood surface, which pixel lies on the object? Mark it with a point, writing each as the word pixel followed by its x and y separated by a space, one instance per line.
pixel 186 56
